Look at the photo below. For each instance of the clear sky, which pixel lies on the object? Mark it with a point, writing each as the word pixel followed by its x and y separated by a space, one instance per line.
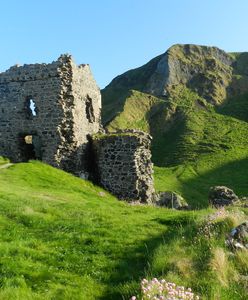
pixel 115 35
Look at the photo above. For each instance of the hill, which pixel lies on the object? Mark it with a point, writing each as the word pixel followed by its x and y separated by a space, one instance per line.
pixel 64 238
pixel 193 100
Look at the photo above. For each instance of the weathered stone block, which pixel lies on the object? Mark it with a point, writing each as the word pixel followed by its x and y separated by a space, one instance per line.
pixel 221 196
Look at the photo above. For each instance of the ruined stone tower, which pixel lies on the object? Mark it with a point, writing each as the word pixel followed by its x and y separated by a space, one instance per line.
pixel 51 112
pixel 47 111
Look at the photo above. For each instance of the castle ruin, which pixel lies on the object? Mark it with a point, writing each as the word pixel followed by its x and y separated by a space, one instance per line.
pixel 51 112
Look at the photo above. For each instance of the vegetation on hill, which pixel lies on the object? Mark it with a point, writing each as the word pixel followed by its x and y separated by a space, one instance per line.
pixel 64 238
pixel 199 136
pixel 194 146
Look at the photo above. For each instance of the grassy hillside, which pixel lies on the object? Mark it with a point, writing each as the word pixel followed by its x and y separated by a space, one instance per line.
pixel 185 127
pixel 194 144
pixel 193 180
pixel 63 238
pixel 236 107
pixel 136 112
pixel 193 101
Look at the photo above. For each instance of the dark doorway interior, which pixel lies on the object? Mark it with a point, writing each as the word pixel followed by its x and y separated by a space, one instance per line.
pixel 30 147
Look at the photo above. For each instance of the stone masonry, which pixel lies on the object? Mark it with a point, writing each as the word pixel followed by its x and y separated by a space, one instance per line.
pixel 51 112
pixel 66 108
pixel 123 164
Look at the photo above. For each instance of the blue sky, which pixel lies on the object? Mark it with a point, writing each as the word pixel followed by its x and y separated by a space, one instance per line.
pixel 116 35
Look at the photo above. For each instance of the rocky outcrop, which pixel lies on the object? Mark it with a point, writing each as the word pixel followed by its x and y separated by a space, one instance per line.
pixel 238 237
pixel 221 196
pixel 243 202
pixel 205 70
pixel 171 200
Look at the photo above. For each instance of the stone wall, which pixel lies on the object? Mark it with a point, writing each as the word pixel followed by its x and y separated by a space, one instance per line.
pixel 123 164
pixel 67 108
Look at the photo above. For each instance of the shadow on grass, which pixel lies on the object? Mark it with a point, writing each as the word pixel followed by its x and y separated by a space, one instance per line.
pixel 167 147
pixel 135 264
pixel 236 107
pixel 131 268
pixel 233 175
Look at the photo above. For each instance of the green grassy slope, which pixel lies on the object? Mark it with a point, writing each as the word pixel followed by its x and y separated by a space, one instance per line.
pixel 194 180
pixel 137 111
pixel 184 127
pixel 63 238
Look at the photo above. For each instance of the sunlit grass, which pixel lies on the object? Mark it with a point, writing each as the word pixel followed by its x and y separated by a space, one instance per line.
pixel 64 238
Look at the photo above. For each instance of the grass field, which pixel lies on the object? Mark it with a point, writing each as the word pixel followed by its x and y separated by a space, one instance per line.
pixel 64 238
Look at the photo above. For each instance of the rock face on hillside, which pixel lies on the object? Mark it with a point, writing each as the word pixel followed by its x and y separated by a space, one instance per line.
pixel 206 70
pixel 171 200
pixel 184 99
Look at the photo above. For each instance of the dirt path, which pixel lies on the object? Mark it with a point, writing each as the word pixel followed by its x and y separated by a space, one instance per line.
pixel 5 166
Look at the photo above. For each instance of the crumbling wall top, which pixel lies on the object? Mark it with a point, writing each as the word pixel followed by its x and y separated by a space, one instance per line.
pixel 30 72
pixel 122 133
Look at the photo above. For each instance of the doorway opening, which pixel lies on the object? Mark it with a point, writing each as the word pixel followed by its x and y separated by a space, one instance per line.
pixel 30 147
